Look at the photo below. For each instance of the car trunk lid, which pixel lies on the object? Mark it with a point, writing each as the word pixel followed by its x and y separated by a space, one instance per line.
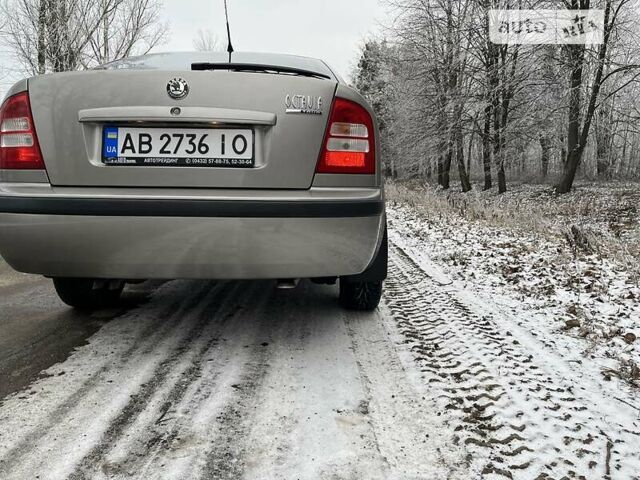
pixel 72 110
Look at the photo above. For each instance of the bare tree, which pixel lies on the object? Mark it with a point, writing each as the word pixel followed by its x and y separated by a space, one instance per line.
pixel 579 124
pixel 3 23
pixel 134 27
pixel 206 41
pixel 434 69
pixel 60 35
pixel 503 83
pixel 371 78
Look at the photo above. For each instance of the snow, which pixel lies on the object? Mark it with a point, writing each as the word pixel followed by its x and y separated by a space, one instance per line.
pixel 224 381
pixel 527 266
pixel 468 370
pixel 521 402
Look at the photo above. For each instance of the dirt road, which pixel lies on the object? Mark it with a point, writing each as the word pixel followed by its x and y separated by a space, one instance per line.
pixel 240 380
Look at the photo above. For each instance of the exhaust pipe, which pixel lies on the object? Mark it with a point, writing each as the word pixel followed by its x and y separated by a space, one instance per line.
pixel 287 283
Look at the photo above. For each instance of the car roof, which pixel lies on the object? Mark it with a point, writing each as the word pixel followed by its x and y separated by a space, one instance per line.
pixel 183 61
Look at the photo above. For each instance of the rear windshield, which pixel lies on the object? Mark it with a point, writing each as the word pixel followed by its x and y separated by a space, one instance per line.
pixel 183 61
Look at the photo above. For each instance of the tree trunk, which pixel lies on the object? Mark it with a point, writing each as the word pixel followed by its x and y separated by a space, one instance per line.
pixel 42 32
pixel 574 149
pixel 545 143
pixel 486 148
pixel 623 159
pixel 502 177
pixel 446 168
pixel 603 142
pixel 571 167
pixel 105 35
pixel 577 139
pixel 498 144
pixel 470 152
pixel 602 163
pixel 464 176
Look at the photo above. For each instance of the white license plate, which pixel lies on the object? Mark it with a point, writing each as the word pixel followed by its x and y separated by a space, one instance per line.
pixel 178 147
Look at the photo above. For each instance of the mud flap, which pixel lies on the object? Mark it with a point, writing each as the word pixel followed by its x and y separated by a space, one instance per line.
pixel 377 271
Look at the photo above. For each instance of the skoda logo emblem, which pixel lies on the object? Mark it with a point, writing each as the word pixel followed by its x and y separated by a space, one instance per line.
pixel 177 88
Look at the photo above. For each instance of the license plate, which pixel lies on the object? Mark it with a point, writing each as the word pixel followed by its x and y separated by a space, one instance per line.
pixel 178 147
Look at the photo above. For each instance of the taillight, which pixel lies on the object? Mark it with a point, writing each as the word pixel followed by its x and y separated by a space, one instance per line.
pixel 19 149
pixel 349 145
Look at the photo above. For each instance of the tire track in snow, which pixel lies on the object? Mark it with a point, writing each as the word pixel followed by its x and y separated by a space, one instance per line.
pixel 167 372
pixel 166 317
pixel 192 396
pixel 204 416
pixel 519 418
pixel 226 456
pixel 412 441
pixel 302 417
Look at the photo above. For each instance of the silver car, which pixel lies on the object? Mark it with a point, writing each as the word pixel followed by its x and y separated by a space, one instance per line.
pixel 183 165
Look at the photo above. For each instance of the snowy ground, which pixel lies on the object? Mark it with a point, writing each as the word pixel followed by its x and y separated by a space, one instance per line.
pixel 570 264
pixel 450 379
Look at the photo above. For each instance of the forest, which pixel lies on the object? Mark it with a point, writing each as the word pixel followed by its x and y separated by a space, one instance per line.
pixel 454 106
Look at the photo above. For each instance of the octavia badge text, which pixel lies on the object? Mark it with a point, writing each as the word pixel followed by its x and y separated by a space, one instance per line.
pixel 303 104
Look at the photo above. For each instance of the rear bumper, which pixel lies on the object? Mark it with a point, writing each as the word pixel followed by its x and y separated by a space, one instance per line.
pixel 194 208
pixel 277 235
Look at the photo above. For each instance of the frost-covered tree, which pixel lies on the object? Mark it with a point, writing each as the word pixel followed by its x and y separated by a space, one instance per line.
pixel 449 97
pixel 371 78
pixel 61 35
pixel 130 27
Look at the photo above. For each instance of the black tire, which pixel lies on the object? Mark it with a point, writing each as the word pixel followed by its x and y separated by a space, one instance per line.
pixel 363 296
pixel 80 293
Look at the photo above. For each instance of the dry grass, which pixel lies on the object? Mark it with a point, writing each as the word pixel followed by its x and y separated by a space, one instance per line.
pixel 595 218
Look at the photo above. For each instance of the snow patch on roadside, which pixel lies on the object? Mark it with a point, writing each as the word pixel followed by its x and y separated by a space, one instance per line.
pixel 587 305
pixel 513 399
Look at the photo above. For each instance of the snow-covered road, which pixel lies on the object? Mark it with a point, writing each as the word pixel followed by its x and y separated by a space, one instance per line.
pixel 239 380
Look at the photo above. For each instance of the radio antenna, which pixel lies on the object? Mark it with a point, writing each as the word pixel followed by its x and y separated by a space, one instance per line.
pixel 229 46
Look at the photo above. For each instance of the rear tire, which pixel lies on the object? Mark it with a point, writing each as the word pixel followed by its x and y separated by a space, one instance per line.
pixel 80 293
pixel 363 292
pixel 362 296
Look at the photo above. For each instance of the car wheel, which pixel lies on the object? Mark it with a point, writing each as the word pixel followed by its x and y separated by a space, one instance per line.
pixel 86 293
pixel 364 296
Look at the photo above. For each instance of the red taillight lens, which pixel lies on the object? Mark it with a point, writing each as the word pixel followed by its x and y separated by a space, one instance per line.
pixel 349 145
pixel 19 149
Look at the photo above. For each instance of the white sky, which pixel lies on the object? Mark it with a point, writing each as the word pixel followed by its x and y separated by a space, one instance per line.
pixel 327 29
